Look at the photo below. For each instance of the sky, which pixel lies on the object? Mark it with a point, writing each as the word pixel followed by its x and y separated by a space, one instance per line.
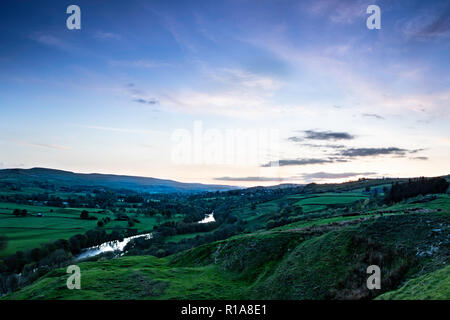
pixel 237 92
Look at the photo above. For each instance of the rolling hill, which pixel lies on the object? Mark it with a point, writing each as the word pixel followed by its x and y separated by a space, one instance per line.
pixel 60 178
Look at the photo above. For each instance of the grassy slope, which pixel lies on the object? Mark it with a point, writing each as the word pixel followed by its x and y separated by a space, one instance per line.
pixel 431 286
pixel 135 278
pixel 333 265
pixel 190 275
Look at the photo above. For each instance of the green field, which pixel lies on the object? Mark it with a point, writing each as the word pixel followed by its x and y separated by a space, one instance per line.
pixel 330 198
pixel 310 203
pixel 56 223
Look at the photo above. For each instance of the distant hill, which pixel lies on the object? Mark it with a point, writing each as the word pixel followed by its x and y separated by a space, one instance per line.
pixel 60 178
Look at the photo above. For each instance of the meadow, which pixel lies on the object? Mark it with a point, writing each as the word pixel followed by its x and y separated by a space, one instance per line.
pixel 31 231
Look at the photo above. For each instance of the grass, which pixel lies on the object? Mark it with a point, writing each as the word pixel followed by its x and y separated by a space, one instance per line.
pixel 179 237
pixel 333 265
pixel 310 203
pixel 327 199
pixel 135 278
pixel 29 232
pixel 318 222
pixel 432 286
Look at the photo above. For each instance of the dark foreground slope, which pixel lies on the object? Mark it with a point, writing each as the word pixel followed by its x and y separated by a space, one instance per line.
pixel 323 262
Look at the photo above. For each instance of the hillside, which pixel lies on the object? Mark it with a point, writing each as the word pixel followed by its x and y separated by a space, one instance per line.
pixel 42 177
pixel 432 286
pixel 326 260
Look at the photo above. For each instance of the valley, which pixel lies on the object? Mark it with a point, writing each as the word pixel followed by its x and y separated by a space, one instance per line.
pixel 302 242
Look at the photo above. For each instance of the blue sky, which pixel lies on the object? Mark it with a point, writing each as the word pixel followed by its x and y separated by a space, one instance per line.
pixel 125 93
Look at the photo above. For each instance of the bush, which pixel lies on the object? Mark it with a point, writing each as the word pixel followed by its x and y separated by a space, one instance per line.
pixel 84 214
pixel 18 212
pixel 3 267
pixel 35 254
pixel 3 242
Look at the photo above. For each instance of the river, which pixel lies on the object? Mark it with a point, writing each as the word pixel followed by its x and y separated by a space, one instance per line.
pixel 118 246
pixel 110 246
pixel 208 218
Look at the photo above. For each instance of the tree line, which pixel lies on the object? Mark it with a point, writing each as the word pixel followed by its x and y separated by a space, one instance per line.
pixel 415 187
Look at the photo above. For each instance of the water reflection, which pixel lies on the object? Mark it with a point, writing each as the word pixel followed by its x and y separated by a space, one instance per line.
pixel 110 246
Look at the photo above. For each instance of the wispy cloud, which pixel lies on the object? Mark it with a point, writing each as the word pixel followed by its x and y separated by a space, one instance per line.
pixel 327 135
pixel 235 93
pixel 430 23
pixel 373 115
pixel 250 179
pixel 145 64
pixel 43 145
pixel 122 130
pixel 440 25
pixel 321 135
pixel 146 101
pixel 51 41
pixel 366 152
pixel 373 94
pixel 324 146
pixel 104 35
pixel 139 95
pixel 295 139
pixel 329 175
pixel 244 79
pixel 179 31
pixel 296 162
pixel 339 11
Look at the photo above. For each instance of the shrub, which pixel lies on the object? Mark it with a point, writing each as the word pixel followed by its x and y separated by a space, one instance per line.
pixel 3 242
pixel 84 214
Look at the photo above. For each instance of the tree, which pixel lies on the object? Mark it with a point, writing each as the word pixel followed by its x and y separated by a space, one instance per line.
pixel 3 242
pixel 286 211
pixel 18 212
pixel 298 210
pixel 415 187
pixel 35 254
pixel 84 214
